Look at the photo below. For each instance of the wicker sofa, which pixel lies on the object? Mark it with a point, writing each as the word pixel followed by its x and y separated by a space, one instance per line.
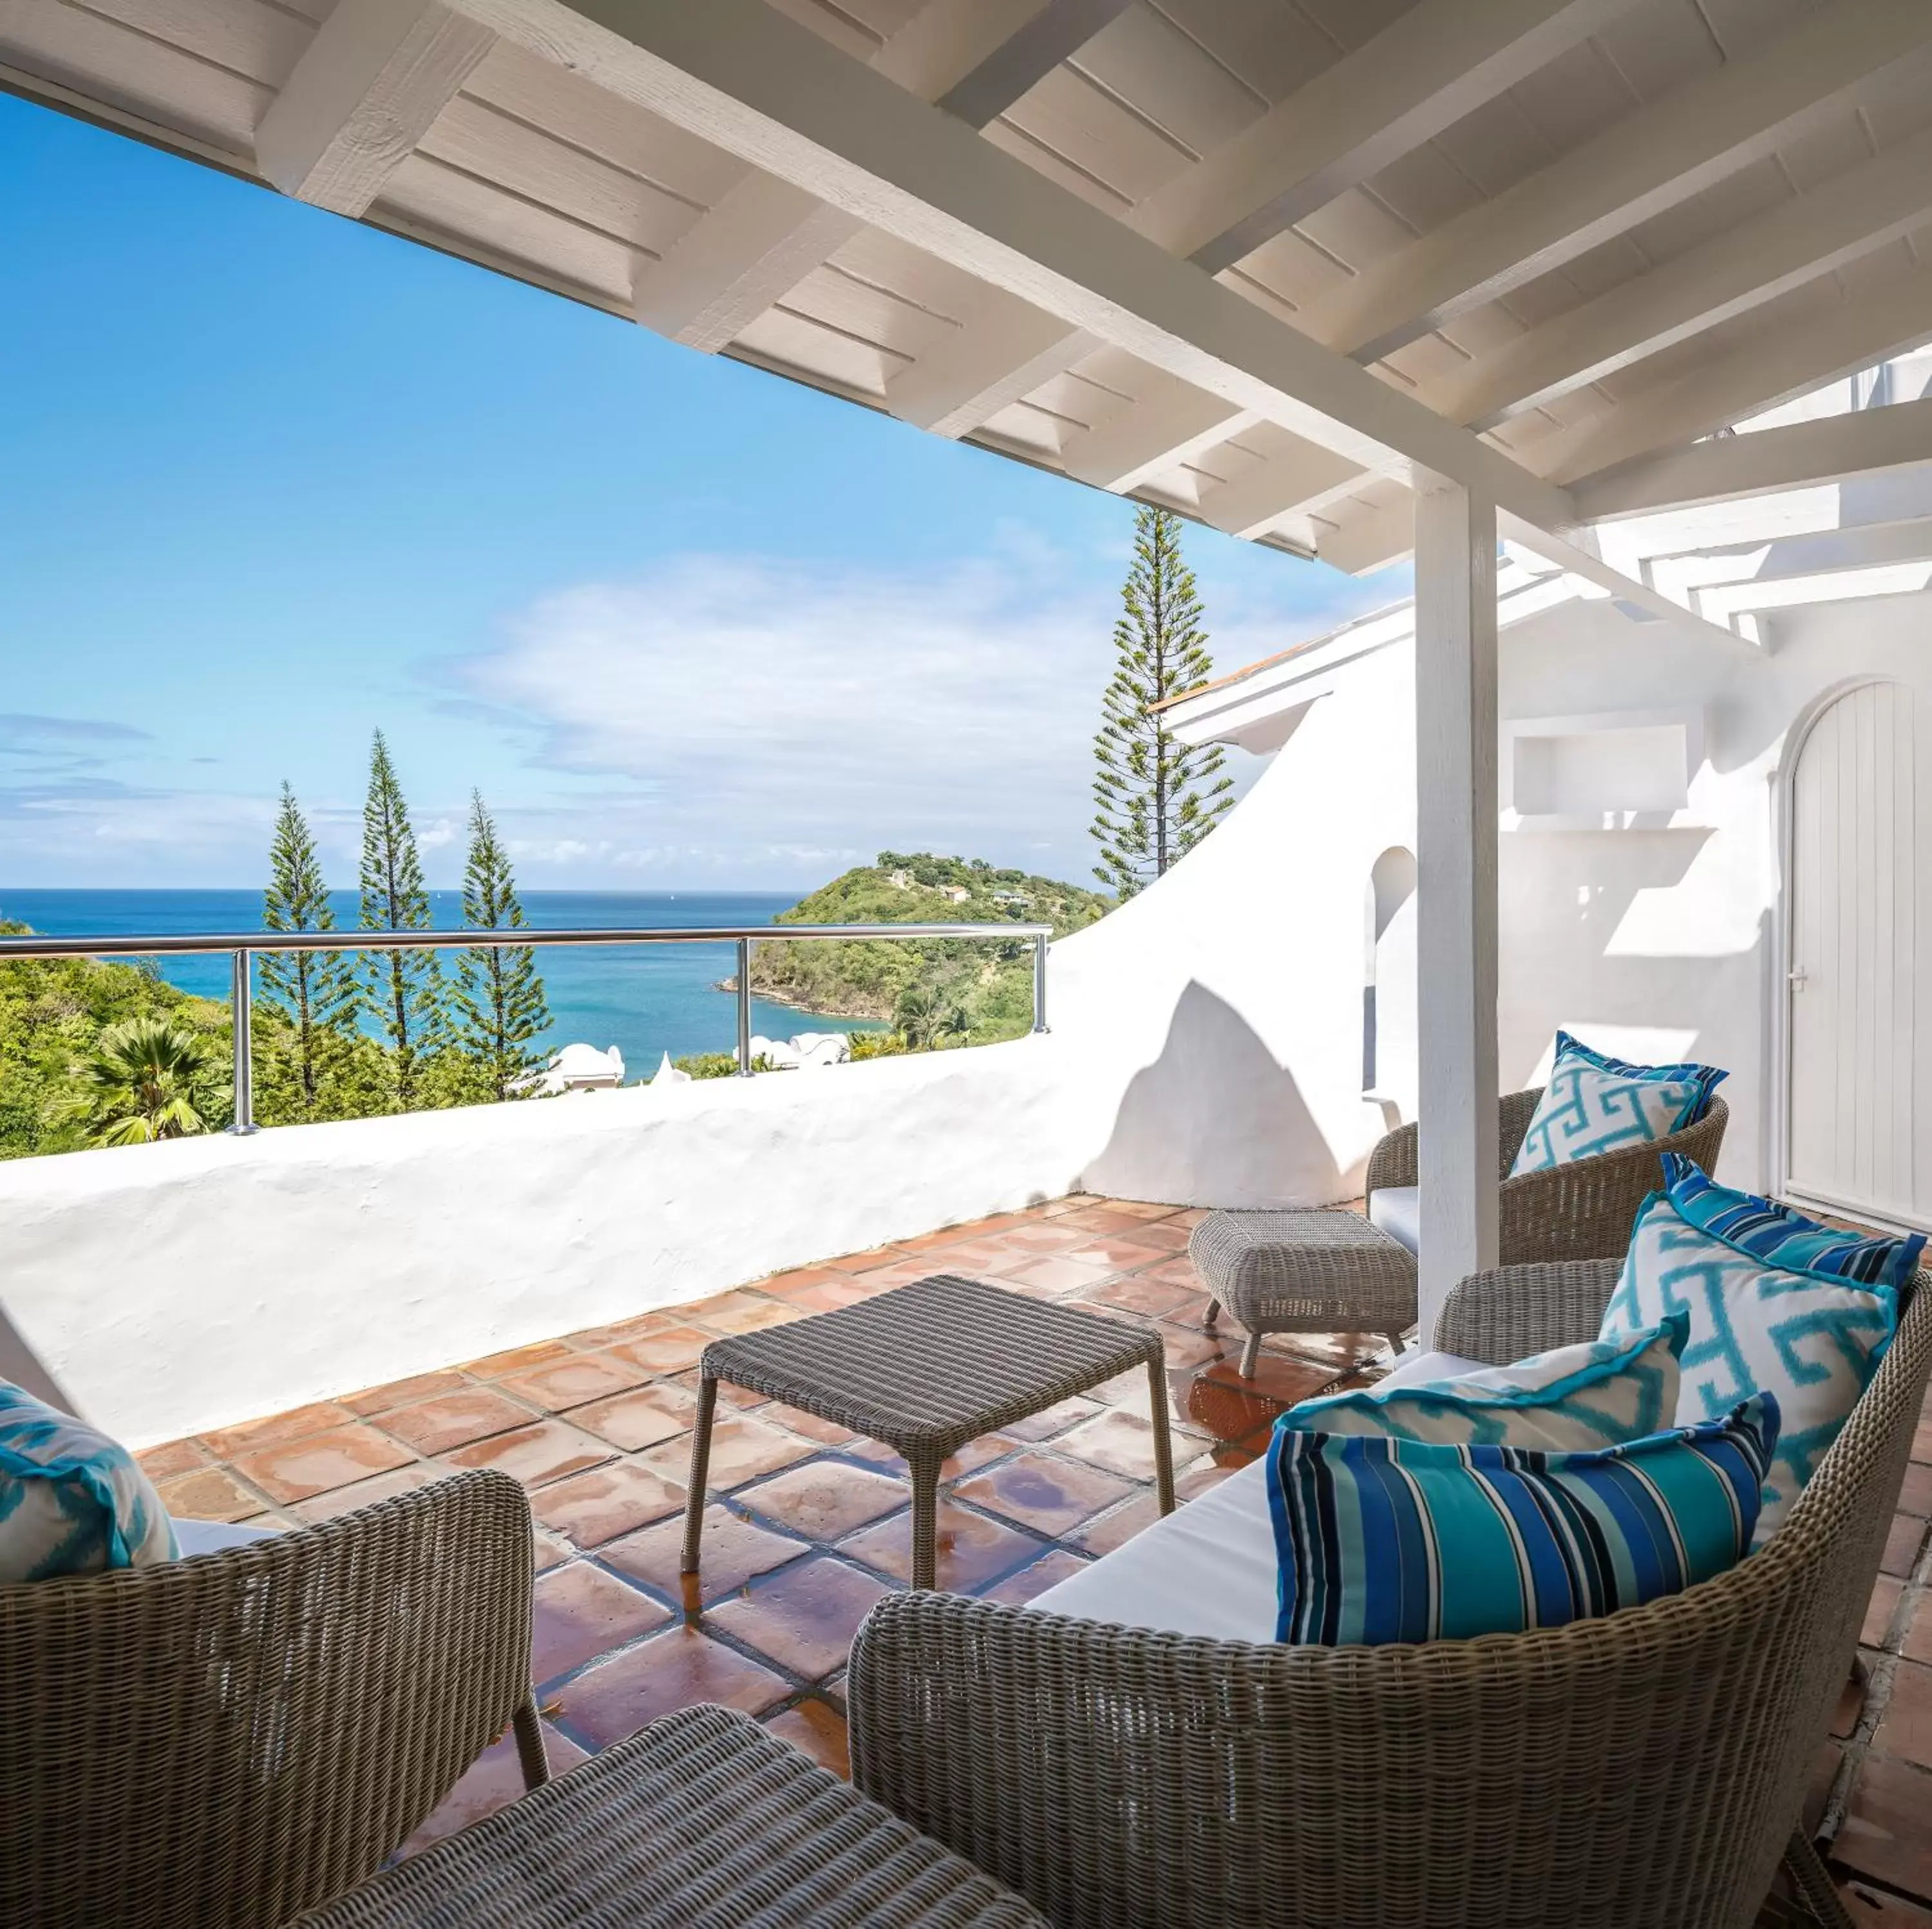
pixel 1641 1771
pixel 1581 1211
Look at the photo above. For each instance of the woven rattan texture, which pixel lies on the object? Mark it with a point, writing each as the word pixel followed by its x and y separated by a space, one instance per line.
pixel 1581 1211
pixel 701 1821
pixel 1639 1772
pixel 228 1739
pixel 933 1364
pixel 1322 1271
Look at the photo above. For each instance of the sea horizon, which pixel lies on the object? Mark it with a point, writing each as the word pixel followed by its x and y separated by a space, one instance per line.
pixel 645 999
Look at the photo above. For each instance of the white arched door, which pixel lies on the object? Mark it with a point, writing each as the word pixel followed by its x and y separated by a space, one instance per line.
pixel 1860 954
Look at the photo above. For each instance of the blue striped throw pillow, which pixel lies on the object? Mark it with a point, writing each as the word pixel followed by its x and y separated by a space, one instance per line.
pixel 1571 1399
pixel 72 1501
pixel 1381 1540
pixel 1594 1103
pixel 1780 1235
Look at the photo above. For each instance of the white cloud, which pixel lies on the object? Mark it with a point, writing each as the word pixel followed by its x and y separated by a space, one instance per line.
pixel 767 715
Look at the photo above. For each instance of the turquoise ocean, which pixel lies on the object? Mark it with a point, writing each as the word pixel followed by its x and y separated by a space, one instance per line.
pixel 645 999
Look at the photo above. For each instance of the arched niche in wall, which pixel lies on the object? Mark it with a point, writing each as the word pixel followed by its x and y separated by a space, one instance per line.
pixel 1389 1026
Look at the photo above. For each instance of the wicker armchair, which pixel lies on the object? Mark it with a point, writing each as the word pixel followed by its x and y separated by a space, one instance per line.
pixel 1640 1772
pixel 1581 1211
pixel 231 1738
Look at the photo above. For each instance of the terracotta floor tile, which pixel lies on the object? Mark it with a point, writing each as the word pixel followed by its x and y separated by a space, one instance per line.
pixel 1055 1274
pixel 1143 1209
pixel 970 1459
pixel 596 1339
pixel 826 1294
pixel 756 1317
pixel 1162 1236
pixel 974 1257
pixel 670 1350
pixel 590 1508
pixel 803 1617
pixel 1042 1492
pixel 731 1551
pixel 513 1359
pixel 580 1612
pixel 447 1420
pixel 494 1781
pixel 1337 1351
pixel 1906 1730
pixel 1115 1252
pixel 362 1493
pixel 783 1285
pixel 1099 1220
pixel 1190 1217
pixel 642 1418
pixel 1191 1311
pixel 1903 1544
pixel 210 1493
pixel 1875 1909
pixel 1122 1443
pixel 547 1451
pixel 900 1272
pixel 1186 1348
pixel 1921 1442
pixel 1039 1238
pixel 226 1443
pixel 817 1728
pixel 676 1669
pixel 1073 1201
pixel 1916 1644
pixel 742 1449
pixel 808 1426
pixel 1915 1495
pixel 1179 1271
pixel 375 1400
pixel 867 1261
pixel 1016 1590
pixel 174 1456
pixel 742 1398
pixel 559 1384
pixel 1879 1610
pixel 825 1499
pixel 1884 1835
pixel 1285 1382
pixel 1054 1419
pixel 1119 1526
pixel 547 1551
pixel 1135 1293
pixel 298 1468
pixel 971 1548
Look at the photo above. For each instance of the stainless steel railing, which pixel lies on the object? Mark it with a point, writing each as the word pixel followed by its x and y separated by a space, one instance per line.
pixel 241 946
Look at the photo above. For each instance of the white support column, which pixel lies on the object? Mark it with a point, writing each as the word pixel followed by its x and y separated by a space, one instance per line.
pixel 1455 863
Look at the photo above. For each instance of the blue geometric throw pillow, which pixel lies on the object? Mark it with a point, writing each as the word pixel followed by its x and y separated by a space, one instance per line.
pixel 1594 1104
pixel 1812 1339
pixel 1381 1540
pixel 1571 1399
pixel 1781 1235
pixel 72 1501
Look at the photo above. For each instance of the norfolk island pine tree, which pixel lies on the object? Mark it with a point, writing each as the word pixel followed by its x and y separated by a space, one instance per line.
pixel 500 1010
pixel 1152 807
pixel 402 990
pixel 315 990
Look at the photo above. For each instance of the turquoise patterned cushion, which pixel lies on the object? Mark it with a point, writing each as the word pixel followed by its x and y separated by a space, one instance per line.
pixel 72 1501
pixel 1595 1104
pixel 1781 1235
pixel 1573 1399
pixel 1381 1540
pixel 1810 1339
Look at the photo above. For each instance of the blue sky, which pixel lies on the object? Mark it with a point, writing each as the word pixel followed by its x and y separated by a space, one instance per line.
pixel 269 479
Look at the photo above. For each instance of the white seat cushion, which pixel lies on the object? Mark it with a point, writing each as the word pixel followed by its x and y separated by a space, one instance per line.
pixel 1210 1567
pixel 1397 1210
pixel 211 1537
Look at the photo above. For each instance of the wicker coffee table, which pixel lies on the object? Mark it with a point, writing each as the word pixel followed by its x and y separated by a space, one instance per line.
pixel 1329 1271
pixel 701 1821
pixel 925 1368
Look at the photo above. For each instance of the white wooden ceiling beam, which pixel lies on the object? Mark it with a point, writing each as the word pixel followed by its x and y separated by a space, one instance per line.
pixel 1057 31
pixel 1426 70
pixel 1785 361
pixel 1151 436
pixel 758 243
pixel 1695 135
pixel 1302 482
pixel 1834 449
pixel 1792 242
pixel 1003 349
pixel 366 90
pixel 737 74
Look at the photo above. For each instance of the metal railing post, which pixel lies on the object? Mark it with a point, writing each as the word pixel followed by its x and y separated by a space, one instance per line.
pixel 242 1001
pixel 744 1007
pixel 1040 983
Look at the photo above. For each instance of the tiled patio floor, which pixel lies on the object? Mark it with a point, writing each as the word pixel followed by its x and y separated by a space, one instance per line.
pixel 809 1527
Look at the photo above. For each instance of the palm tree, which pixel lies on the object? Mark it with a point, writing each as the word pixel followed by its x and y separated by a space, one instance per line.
pixel 135 1084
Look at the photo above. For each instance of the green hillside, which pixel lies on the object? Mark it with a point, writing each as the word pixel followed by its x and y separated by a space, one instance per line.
pixel 935 991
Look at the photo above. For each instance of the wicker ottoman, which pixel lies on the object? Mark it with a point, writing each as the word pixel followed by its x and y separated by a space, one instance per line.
pixel 701 1821
pixel 925 1368
pixel 1328 1272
